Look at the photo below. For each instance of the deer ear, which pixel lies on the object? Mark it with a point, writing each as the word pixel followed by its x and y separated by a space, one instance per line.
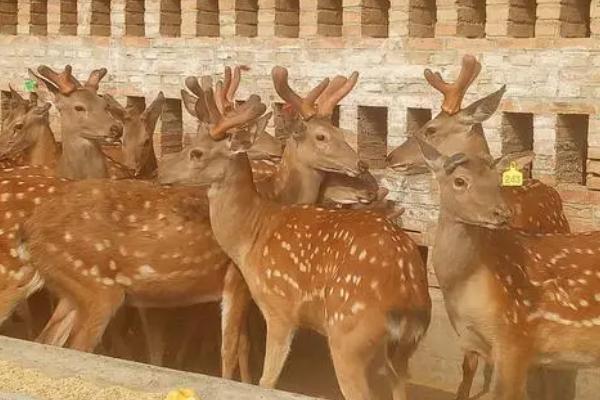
pixel 521 159
pixel 47 91
pixel 482 109
pixel 434 159
pixel 258 127
pixel 153 111
pixel 242 141
pixel 115 107
pixel 189 103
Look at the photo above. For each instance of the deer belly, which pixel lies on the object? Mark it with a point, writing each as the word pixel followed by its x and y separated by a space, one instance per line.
pixel 472 310
pixel 177 290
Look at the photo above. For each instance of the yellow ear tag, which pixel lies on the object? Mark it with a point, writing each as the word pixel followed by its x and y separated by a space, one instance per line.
pixel 512 176
pixel 182 394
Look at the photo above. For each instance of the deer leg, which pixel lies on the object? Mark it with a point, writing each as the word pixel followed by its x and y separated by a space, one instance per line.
pixel 59 327
pixel 398 370
pixel 93 317
pixel 469 367
pixel 234 325
pixel 280 334
pixel 350 365
pixel 244 353
pixel 558 384
pixel 511 367
pixel 24 312
pixel 488 371
pixel 153 327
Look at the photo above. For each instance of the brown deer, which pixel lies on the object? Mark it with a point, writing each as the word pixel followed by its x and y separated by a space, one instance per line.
pixel 86 121
pixel 519 299
pixel 357 279
pixel 536 207
pixel 298 178
pixel 26 135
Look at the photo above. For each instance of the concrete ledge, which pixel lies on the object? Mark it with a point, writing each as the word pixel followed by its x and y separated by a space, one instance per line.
pixel 105 371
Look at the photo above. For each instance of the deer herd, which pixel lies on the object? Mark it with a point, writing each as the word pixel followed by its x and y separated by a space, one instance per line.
pixel 303 231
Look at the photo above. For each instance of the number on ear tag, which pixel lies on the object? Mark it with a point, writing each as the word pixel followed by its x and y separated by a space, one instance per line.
pixel 30 85
pixel 512 176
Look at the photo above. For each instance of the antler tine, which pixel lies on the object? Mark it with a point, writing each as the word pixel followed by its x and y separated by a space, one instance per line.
pixel 191 82
pixel 317 91
pixel 214 114
pixel 339 88
pixel 454 92
pixel 221 89
pixel 65 82
pixel 280 81
pixel 95 78
pixel 235 82
pixel 252 109
pixel 33 98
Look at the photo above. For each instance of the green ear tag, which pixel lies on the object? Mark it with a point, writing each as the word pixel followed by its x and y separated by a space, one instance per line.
pixel 512 176
pixel 30 85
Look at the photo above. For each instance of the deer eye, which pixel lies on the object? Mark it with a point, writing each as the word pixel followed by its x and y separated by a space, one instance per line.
pixel 79 108
pixel 460 183
pixel 18 126
pixel 320 137
pixel 195 155
pixel 430 131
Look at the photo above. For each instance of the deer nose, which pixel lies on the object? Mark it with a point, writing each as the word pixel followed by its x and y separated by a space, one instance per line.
pixel 116 131
pixel 362 166
pixel 502 213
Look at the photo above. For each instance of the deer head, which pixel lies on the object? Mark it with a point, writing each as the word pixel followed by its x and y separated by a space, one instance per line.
pixel 138 133
pixel 266 147
pixel 469 186
pixel 316 142
pixel 26 125
pixel 204 161
pixel 83 112
pixel 453 129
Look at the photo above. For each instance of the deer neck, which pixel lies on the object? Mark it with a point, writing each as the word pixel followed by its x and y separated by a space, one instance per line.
pixel 43 152
pixel 456 250
pixel 237 212
pixel 81 159
pixel 295 182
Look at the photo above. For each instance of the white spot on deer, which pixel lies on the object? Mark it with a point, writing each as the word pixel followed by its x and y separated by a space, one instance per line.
pixel 146 270
pixel 277 273
pixel 353 250
pixel 326 237
pixel 2 269
pixel 132 218
pixel 4 197
pixel 8 215
pixel 147 204
pixel 123 280
pixel 77 263
pixel 123 251
pixel 37 200
pixel 161 216
pixel 584 303
pixel 51 189
pixel 362 255
pixel 358 307
pixel 112 265
pixel 269 273
pixel 95 271
pixel 285 245
pixel 68 237
pixel 582 281
pixel 265 251
pixel 107 281
pixel 139 254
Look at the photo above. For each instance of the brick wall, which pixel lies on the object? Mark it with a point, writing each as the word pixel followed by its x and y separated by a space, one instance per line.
pixel 547 55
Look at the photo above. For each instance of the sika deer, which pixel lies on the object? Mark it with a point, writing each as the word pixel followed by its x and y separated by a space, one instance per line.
pixel 116 253
pixel 358 280
pixel 453 130
pixel 26 135
pixel 519 299
pixel 536 206
pixel 85 121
